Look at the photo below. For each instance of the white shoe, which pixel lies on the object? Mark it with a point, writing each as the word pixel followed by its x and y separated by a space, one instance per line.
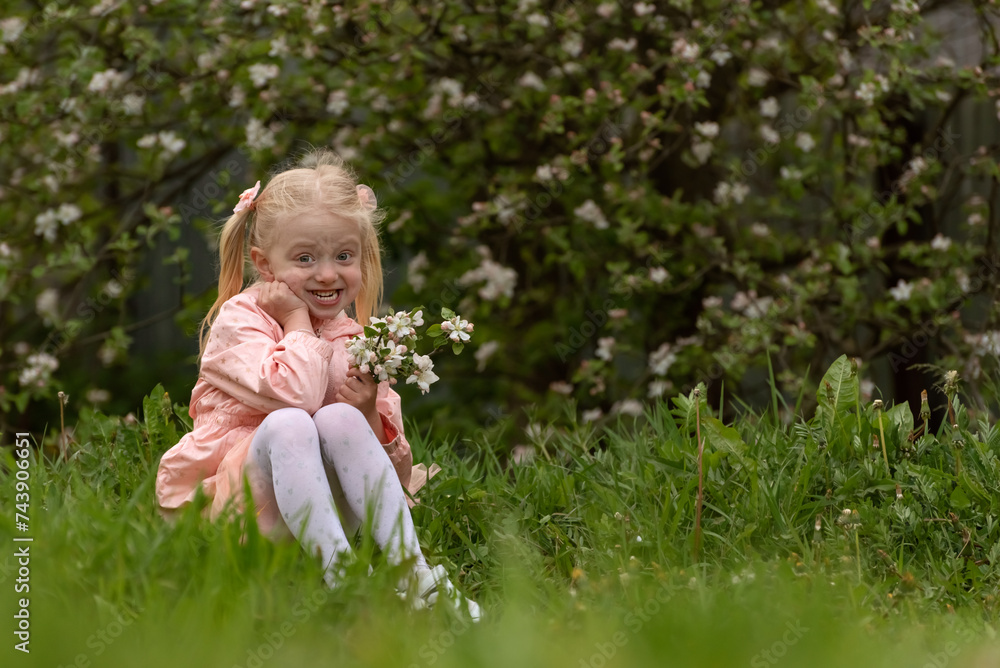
pixel 431 585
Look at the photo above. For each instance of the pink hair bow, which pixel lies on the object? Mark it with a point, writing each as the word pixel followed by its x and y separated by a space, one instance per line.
pixel 246 198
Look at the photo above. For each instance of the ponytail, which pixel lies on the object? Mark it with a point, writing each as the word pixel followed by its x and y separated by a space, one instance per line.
pixel 232 254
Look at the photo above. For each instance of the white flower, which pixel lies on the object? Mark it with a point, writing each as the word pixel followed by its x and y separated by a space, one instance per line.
pixel 485 352
pixel 726 193
pixel 146 141
pixel 619 44
pixel 769 107
pixel 261 73
pixel 561 387
pixel 643 8
pixel 591 415
pixel 769 134
pixel 771 43
pixel 104 81
pixel 709 130
pixel 657 388
pixel 605 344
pixel 11 29
pixel 499 280
pixel 702 151
pixel 805 141
pixel 917 165
pixel 38 369
pixel 790 173
pixel 760 230
pixel 459 329
pixel 277 10
pixel 171 143
pixel 206 60
pixel 721 56
pixel 865 92
pixel 68 213
pixel 97 396
pixel 132 104
pixel 589 212
pixel 658 274
pixel 661 359
pixel 531 80
pixel 941 242
pixel 902 291
pixel 828 7
pixel 337 103
pixel 278 47
pixel 703 80
pixel 606 9
pixel 943 95
pixel 974 219
pixel 757 77
pixel 572 44
pixel 631 407
pixel 47 305
pixel 237 97
pixel 66 139
pixel 538 19
pixel 685 50
pixel 424 374
pixel 46 225
pixel 259 137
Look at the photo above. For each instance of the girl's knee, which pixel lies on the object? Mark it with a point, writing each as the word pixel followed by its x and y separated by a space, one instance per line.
pixel 286 428
pixel 335 418
pixel 287 418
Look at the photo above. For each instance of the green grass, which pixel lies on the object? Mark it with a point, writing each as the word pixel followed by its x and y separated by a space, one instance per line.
pixel 582 558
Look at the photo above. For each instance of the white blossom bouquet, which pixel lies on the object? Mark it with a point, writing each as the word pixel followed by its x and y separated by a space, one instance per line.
pixel 388 347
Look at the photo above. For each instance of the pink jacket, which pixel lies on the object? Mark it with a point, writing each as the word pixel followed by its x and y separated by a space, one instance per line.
pixel 250 367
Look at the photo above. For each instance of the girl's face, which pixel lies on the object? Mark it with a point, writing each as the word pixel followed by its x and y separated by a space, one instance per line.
pixel 318 255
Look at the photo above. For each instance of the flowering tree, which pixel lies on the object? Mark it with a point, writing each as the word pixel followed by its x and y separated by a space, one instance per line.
pixel 624 196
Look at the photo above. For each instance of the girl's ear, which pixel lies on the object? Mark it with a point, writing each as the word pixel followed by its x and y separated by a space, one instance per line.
pixel 262 265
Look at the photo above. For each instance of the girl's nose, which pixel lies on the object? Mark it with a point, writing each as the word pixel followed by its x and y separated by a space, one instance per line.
pixel 327 272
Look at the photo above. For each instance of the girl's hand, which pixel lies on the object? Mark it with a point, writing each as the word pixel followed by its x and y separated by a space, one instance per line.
pixel 360 390
pixel 279 302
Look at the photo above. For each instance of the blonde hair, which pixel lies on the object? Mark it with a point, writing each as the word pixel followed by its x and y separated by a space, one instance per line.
pixel 319 180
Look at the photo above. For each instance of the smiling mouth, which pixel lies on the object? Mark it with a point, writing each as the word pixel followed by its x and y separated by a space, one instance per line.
pixel 327 296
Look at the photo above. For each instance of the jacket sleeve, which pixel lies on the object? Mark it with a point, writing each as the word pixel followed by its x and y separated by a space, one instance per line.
pixel 388 404
pixel 245 359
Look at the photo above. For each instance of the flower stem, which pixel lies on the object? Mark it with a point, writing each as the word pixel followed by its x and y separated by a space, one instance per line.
pixel 701 492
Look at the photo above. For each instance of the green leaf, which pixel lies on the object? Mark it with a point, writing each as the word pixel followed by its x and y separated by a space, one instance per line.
pixel 900 417
pixel 722 438
pixel 447 313
pixel 837 391
pixel 433 330
pixel 371 332
pixel 457 347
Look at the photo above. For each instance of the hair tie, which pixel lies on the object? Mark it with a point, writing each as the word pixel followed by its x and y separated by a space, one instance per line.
pixel 367 196
pixel 246 199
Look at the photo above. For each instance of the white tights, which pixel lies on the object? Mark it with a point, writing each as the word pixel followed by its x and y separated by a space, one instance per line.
pixel 332 460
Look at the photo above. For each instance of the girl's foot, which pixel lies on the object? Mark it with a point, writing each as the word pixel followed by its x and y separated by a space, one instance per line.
pixel 430 585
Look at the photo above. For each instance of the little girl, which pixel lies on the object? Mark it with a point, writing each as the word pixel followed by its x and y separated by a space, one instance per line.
pixel 275 401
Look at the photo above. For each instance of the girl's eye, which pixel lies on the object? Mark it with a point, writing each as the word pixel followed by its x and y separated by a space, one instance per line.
pixel 344 257
pixel 304 258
